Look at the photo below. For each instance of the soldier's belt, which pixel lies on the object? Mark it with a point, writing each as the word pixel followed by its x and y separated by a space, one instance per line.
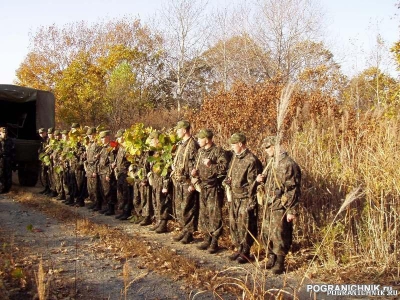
pixel 237 190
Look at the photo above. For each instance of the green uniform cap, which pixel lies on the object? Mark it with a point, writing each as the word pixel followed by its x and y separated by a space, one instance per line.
pixel 50 130
pixel 75 125
pixel 183 124
pixel 154 135
pixel 57 132
pixel 42 130
pixel 120 133
pixel 205 133
pixel 237 137
pixel 91 131
pixel 104 133
pixel 269 141
pixel 65 131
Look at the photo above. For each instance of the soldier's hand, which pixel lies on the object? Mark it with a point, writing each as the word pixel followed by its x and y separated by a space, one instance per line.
pixel 194 173
pixel 278 193
pixel 113 165
pixel 260 178
pixel 290 217
pixel 94 175
pixel 250 207
pixel 107 178
pixel 191 189
pixel 207 162
pixel 164 191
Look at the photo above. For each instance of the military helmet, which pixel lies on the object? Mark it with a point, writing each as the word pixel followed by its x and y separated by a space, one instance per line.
pixel 50 130
pixel 42 130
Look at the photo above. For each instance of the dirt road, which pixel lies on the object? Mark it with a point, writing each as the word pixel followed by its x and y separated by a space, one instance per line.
pixel 82 264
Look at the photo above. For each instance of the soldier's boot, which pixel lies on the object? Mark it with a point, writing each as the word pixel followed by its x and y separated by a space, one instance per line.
pixel 146 221
pixel 206 243
pixel 97 207
pixel 61 197
pixel 153 228
pixel 187 238
pixel 213 246
pixel 162 227
pixel 111 210
pixel 126 215
pixel 71 201
pixel 43 192
pixel 279 266
pixel 91 206
pixel 120 215
pixel 48 192
pixel 180 236
pixel 53 194
pixel 104 210
pixel 244 256
pixel 236 254
pixel 80 202
pixel 270 261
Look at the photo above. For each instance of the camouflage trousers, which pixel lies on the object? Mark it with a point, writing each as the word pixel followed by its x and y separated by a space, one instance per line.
pixel 276 232
pixel 210 215
pixel 107 191
pixel 44 174
pixel 162 203
pixel 5 175
pixel 186 206
pixel 144 200
pixel 92 186
pixel 124 196
pixel 242 223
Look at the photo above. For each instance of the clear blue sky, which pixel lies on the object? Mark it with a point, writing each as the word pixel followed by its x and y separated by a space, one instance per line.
pixel 351 24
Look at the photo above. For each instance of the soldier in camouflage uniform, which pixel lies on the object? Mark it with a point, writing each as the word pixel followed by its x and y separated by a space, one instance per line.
pixel 145 190
pixel 66 168
pixel 162 190
pixel 44 170
pixel 92 160
pixel 281 190
pixel 186 200
pixel 241 178
pixel 7 160
pixel 49 152
pixel 75 172
pixel 58 165
pixel 207 177
pixel 107 184
pixel 120 167
pixel 80 175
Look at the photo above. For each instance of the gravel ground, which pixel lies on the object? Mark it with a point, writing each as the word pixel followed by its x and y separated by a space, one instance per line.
pixel 80 263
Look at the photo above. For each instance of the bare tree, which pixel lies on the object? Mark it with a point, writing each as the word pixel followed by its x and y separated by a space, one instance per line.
pixel 280 25
pixel 185 33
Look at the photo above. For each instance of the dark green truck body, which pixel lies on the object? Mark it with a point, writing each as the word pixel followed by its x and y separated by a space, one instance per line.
pixel 23 111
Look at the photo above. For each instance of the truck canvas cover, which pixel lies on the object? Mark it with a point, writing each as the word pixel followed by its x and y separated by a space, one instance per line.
pixel 25 109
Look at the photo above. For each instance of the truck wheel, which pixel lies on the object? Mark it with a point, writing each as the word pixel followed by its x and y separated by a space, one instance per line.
pixel 28 173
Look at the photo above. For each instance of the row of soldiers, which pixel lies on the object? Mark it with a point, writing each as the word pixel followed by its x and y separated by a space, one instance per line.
pixel 192 192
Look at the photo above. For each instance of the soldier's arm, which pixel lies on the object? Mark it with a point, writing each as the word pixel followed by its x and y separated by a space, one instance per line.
pixel 291 188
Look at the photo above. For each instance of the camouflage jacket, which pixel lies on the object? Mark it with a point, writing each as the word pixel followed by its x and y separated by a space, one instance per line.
pixel 185 159
pixel 106 157
pixel 121 163
pixel 244 169
pixel 213 175
pixel 92 157
pixel 282 185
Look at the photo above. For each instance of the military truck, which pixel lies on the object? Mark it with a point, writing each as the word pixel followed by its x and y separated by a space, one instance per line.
pixel 23 111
